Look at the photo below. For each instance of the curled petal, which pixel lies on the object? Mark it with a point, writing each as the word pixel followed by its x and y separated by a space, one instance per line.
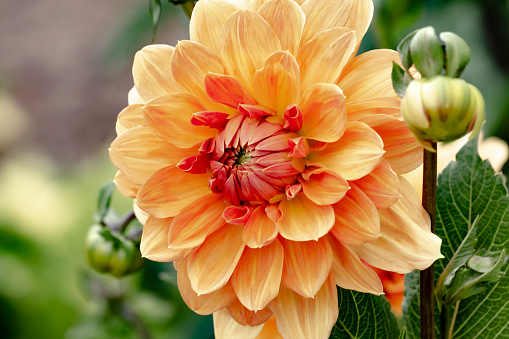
pixel 169 190
pixel 238 215
pixel 293 118
pixel 306 318
pixel 154 241
pixel 255 111
pixel 210 119
pixel 324 187
pixel 350 273
pixel 299 147
pixel 303 220
pixel 226 90
pixel 381 185
pixel 126 186
pixel 246 41
pixel 357 220
pixel 257 277
pixel 406 242
pixel 210 269
pixel 195 164
pixel 260 229
pixel 306 265
pixel 225 327
pixel 130 117
pixel 247 317
pixel 293 190
pixel 355 155
pixel 324 115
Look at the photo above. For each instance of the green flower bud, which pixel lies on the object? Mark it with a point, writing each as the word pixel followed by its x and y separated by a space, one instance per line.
pixel 110 252
pixel 442 109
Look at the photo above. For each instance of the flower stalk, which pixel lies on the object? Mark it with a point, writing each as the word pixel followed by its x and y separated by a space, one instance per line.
pixel 427 282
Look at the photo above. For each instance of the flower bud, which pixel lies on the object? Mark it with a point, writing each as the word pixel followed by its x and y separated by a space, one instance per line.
pixel 110 252
pixel 442 109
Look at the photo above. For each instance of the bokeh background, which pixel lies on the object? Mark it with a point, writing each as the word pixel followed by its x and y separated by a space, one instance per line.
pixel 64 76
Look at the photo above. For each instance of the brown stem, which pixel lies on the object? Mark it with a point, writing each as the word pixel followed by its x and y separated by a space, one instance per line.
pixel 188 8
pixel 427 282
pixel 451 325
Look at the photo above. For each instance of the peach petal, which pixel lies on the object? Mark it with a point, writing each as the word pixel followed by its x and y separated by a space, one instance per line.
pixel 350 273
pixel 324 187
pixel 303 220
pixel 196 221
pixel 277 84
pixel 152 72
pixel 212 264
pixel 139 154
pixel 323 57
pixel 403 151
pixel 207 21
pixel 381 185
pixel 357 220
pixel 154 241
pixel 322 15
pixel 247 317
pixel 226 90
pixel 355 155
pixel 269 330
pixel 169 118
pixel 131 116
pixel 306 318
pixel 134 98
pixel 356 110
pixel 169 190
pixel 324 115
pixel 126 186
pixel 369 75
pixel 306 265
pixel 260 230
pixel 203 304
pixel 245 42
pixel 225 327
pixel 406 242
pixel 140 214
pixel 287 20
pixel 257 277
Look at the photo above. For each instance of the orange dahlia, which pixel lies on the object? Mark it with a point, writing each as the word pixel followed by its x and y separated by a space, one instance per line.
pixel 267 158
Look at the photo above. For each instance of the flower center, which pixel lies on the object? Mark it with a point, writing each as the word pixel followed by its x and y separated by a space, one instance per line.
pixel 242 156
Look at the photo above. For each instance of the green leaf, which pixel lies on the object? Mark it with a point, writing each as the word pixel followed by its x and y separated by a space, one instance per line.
pixel 427 53
pixel 104 200
pixel 468 188
pixel 404 50
pixel 364 316
pixel 398 79
pixel 155 8
pixel 457 54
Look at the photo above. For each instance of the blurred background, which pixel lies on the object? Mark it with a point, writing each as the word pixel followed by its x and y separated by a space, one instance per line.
pixel 64 77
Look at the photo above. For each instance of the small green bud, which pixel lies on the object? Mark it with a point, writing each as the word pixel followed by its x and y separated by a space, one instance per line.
pixel 442 109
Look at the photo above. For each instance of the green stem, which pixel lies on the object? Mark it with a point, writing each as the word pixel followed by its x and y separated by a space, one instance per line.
pixel 427 277
pixel 188 8
pixel 451 326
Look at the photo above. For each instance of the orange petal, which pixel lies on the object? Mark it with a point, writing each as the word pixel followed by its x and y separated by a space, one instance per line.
pixel 197 220
pixel 306 265
pixel 126 186
pixel 306 318
pixel 205 303
pixel 139 154
pixel 154 241
pixel 260 230
pixel 245 42
pixel 211 265
pixel 287 19
pixel 152 72
pixel 190 63
pixel 406 242
pixel 350 273
pixel 356 110
pixel 169 118
pixel 324 116
pixel 369 75
pixel 131 116
pixel 277 84
pixel 355 155
pixel 403 151
pixel 257 277
pixel 381 185
pixel 324 187
pixel 226 90
pixel 322 58
pixel 225 327
pixel 247 317
pixel 322 15
pixel 169 190
pixel 269 330
pixel 303 220
pixel 357 220
pixel 207 20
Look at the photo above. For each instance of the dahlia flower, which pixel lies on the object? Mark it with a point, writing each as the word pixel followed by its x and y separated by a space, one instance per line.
pixel 267 157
